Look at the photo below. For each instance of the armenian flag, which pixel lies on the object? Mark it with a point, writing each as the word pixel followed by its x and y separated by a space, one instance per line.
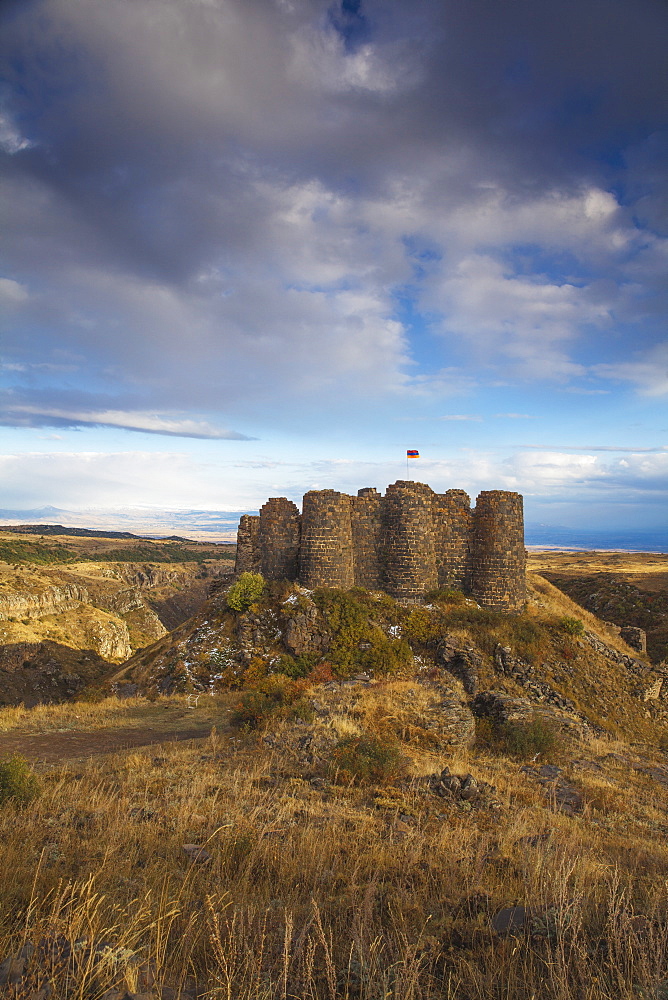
pixel 412 453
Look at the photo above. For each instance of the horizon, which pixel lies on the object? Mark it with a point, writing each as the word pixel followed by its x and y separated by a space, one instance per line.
pixel 256 249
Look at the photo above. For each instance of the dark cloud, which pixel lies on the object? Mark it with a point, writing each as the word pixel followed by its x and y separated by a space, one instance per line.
pixel 210 206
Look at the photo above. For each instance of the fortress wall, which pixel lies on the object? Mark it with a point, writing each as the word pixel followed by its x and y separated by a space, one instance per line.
pixel 498 560
pixel 408 540
pixel 326 558
pixel 367 526
pixel 451 513
pixel 278 539
pixel 248 552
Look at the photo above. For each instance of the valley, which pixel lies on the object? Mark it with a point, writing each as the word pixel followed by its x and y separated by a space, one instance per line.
pixel 72 606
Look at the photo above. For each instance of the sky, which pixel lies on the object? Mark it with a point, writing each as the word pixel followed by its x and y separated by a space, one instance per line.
pixel 254 247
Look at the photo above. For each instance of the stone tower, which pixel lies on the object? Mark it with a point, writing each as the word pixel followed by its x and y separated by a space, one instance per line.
pixel 406 543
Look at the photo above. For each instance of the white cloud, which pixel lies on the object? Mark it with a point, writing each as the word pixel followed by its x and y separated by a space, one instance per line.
pixel 460 416
pixel 150 423
pixel 12 293
pixel 649 372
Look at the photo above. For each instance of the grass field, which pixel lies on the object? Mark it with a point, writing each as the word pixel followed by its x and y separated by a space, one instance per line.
pixel 314 889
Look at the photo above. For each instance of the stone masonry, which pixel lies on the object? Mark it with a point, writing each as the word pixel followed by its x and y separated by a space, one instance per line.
pixel 408 542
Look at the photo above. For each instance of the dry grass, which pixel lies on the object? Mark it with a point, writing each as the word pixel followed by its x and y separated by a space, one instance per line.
pixel 321 891
pixel 647 570
pixel 111 712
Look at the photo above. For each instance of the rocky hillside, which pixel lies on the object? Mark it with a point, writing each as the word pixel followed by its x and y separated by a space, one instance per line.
pixel 556 658
pixel 626 589
pixel 69 609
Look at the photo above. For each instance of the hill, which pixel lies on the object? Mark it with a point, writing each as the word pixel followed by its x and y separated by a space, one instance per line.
pixel 73 605
pixel 626 588
pixel 400 801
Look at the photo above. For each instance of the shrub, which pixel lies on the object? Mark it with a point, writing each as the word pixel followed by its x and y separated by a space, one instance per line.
pixel 357 641
pixel 369 759
pixel 322 673
pixel 573 626
pixel 246 591
pixel 422 626
pixel 445 595
pixel 276 696
pixel 295 666
pixel 18 782
pixel 522 740
pixel 386 656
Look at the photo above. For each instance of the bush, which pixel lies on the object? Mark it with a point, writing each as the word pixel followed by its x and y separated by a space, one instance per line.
pixel 357 640
pixel 295 666
pixel 18 782
pixel 445 595
pixel 246 591
pixel 276 696
pixel 522 740
pixel 386 656
pixel 422 626
pixel 573 626
pixel 368 759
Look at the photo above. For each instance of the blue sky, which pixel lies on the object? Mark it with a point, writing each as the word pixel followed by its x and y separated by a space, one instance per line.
pixel 254 248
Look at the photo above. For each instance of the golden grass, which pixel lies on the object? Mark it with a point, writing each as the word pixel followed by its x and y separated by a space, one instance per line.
pixel 647 570
pixel 112 712
pixel 320 891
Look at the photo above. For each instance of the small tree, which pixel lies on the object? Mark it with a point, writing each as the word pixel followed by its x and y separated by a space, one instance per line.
pixel 247 590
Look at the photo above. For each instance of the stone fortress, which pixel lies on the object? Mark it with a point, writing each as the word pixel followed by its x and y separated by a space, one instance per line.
pixel 406 543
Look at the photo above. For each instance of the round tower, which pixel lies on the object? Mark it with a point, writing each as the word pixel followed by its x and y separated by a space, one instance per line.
pixel 452 527
pixel 326 558
pixel 248 554
pixel 408 534
pixel 498 561
pixel 366 511
pixel 278 539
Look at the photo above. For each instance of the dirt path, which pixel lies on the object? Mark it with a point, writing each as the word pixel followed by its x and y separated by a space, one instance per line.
pixel 51 748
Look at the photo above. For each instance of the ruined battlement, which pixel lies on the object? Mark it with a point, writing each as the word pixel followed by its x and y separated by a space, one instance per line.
pixel 407 542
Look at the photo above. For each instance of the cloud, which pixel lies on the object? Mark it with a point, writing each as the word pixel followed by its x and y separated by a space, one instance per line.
pixel 217 207
pixel 460 416
pixel 603 447
pixel 649 372
pixel 12 293
pixel 148 423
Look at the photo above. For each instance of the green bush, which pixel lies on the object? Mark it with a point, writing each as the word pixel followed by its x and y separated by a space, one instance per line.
pixel 18 782
pixel 385 656
pixel 358 642
pixel 246 591
pixel 573 626
pixel 423 626
pixel 368 759
pixel 445 595
pixel 522 740
pixel 295 666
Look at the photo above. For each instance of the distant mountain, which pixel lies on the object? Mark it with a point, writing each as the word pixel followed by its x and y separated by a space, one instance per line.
pixel 59 529
pixel 34 514
pixel 195 525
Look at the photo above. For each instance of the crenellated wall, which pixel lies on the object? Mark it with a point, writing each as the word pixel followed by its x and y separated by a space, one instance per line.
pixel 407 542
